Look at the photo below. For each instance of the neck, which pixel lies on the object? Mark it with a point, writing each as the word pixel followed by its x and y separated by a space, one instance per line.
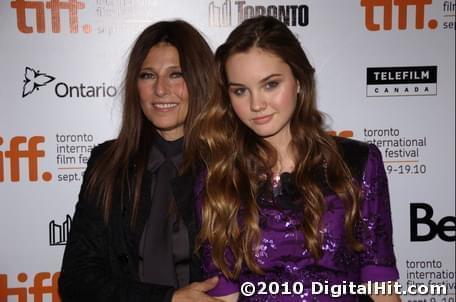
pixel 285 161
pixel 171 135
pixel 285 157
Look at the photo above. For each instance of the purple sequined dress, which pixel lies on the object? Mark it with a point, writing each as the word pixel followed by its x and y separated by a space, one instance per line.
pixel 283 256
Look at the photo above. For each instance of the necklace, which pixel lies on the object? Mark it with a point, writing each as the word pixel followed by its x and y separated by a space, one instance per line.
pixel 275 179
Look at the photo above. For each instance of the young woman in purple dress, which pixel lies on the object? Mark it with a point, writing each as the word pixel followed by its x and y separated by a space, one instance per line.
pixel 284 207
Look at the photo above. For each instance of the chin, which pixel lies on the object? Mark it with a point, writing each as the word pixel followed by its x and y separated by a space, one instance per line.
pixel 264 133
pixel 165 122
pixel 165 127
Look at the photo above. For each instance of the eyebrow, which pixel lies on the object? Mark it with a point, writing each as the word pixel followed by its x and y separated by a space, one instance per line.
pixel 172 67
pixel 261 81
pixel 269 77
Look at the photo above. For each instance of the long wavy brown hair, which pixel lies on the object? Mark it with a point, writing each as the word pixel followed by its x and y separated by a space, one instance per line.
pixel 120 169
pixel 236 158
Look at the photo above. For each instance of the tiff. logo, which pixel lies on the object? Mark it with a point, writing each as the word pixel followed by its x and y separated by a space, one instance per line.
pixel 38 290
pixel 402 7
pixel 55 6
pixel 58 234
pixel 16 153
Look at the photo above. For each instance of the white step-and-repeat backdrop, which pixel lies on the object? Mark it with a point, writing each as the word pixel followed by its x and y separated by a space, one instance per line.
pixel 385 74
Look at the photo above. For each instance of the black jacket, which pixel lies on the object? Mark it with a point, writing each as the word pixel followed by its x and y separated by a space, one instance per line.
pixel 100 262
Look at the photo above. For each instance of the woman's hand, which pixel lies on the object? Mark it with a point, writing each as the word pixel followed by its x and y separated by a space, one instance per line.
pixel 230 298
pixel 196 292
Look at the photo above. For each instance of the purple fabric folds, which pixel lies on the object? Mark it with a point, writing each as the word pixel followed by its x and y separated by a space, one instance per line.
pixel 283 256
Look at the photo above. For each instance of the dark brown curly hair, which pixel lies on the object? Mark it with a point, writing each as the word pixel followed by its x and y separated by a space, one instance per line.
pixel 236 158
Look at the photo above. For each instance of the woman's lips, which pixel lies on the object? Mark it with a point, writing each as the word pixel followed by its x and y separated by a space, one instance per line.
pixel 262 119
pixel 164 107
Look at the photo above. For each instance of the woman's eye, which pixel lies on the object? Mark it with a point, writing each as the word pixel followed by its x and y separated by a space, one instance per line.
pixel 176 74
pixel 271 84
pixel 238 91
pixel 146 75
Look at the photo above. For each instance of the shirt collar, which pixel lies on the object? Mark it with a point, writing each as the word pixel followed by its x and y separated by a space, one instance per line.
pixel 157 158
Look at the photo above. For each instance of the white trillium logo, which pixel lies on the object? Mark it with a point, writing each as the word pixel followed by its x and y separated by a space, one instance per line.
pixel 34 79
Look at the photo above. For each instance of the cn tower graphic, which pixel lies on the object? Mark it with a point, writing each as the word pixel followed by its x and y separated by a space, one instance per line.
pixel 220 15
pixel 58 234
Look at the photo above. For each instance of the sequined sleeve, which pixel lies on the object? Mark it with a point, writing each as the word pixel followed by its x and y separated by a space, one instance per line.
pixel 377 260
pixel 225 286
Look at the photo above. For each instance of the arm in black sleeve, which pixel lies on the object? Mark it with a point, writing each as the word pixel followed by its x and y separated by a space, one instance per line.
pixel 91 269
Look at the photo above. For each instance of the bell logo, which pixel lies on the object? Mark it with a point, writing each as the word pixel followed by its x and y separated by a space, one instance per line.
pixel 445 228
pixel 38 290
pixel 55 6
pixel 402 10
pixel 15 153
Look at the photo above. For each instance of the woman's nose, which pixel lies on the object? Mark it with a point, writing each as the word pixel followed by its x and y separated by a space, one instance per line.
pixel 257 103
pixel 161 87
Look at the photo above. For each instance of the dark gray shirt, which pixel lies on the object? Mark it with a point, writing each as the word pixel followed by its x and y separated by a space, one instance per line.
pixel 164 247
